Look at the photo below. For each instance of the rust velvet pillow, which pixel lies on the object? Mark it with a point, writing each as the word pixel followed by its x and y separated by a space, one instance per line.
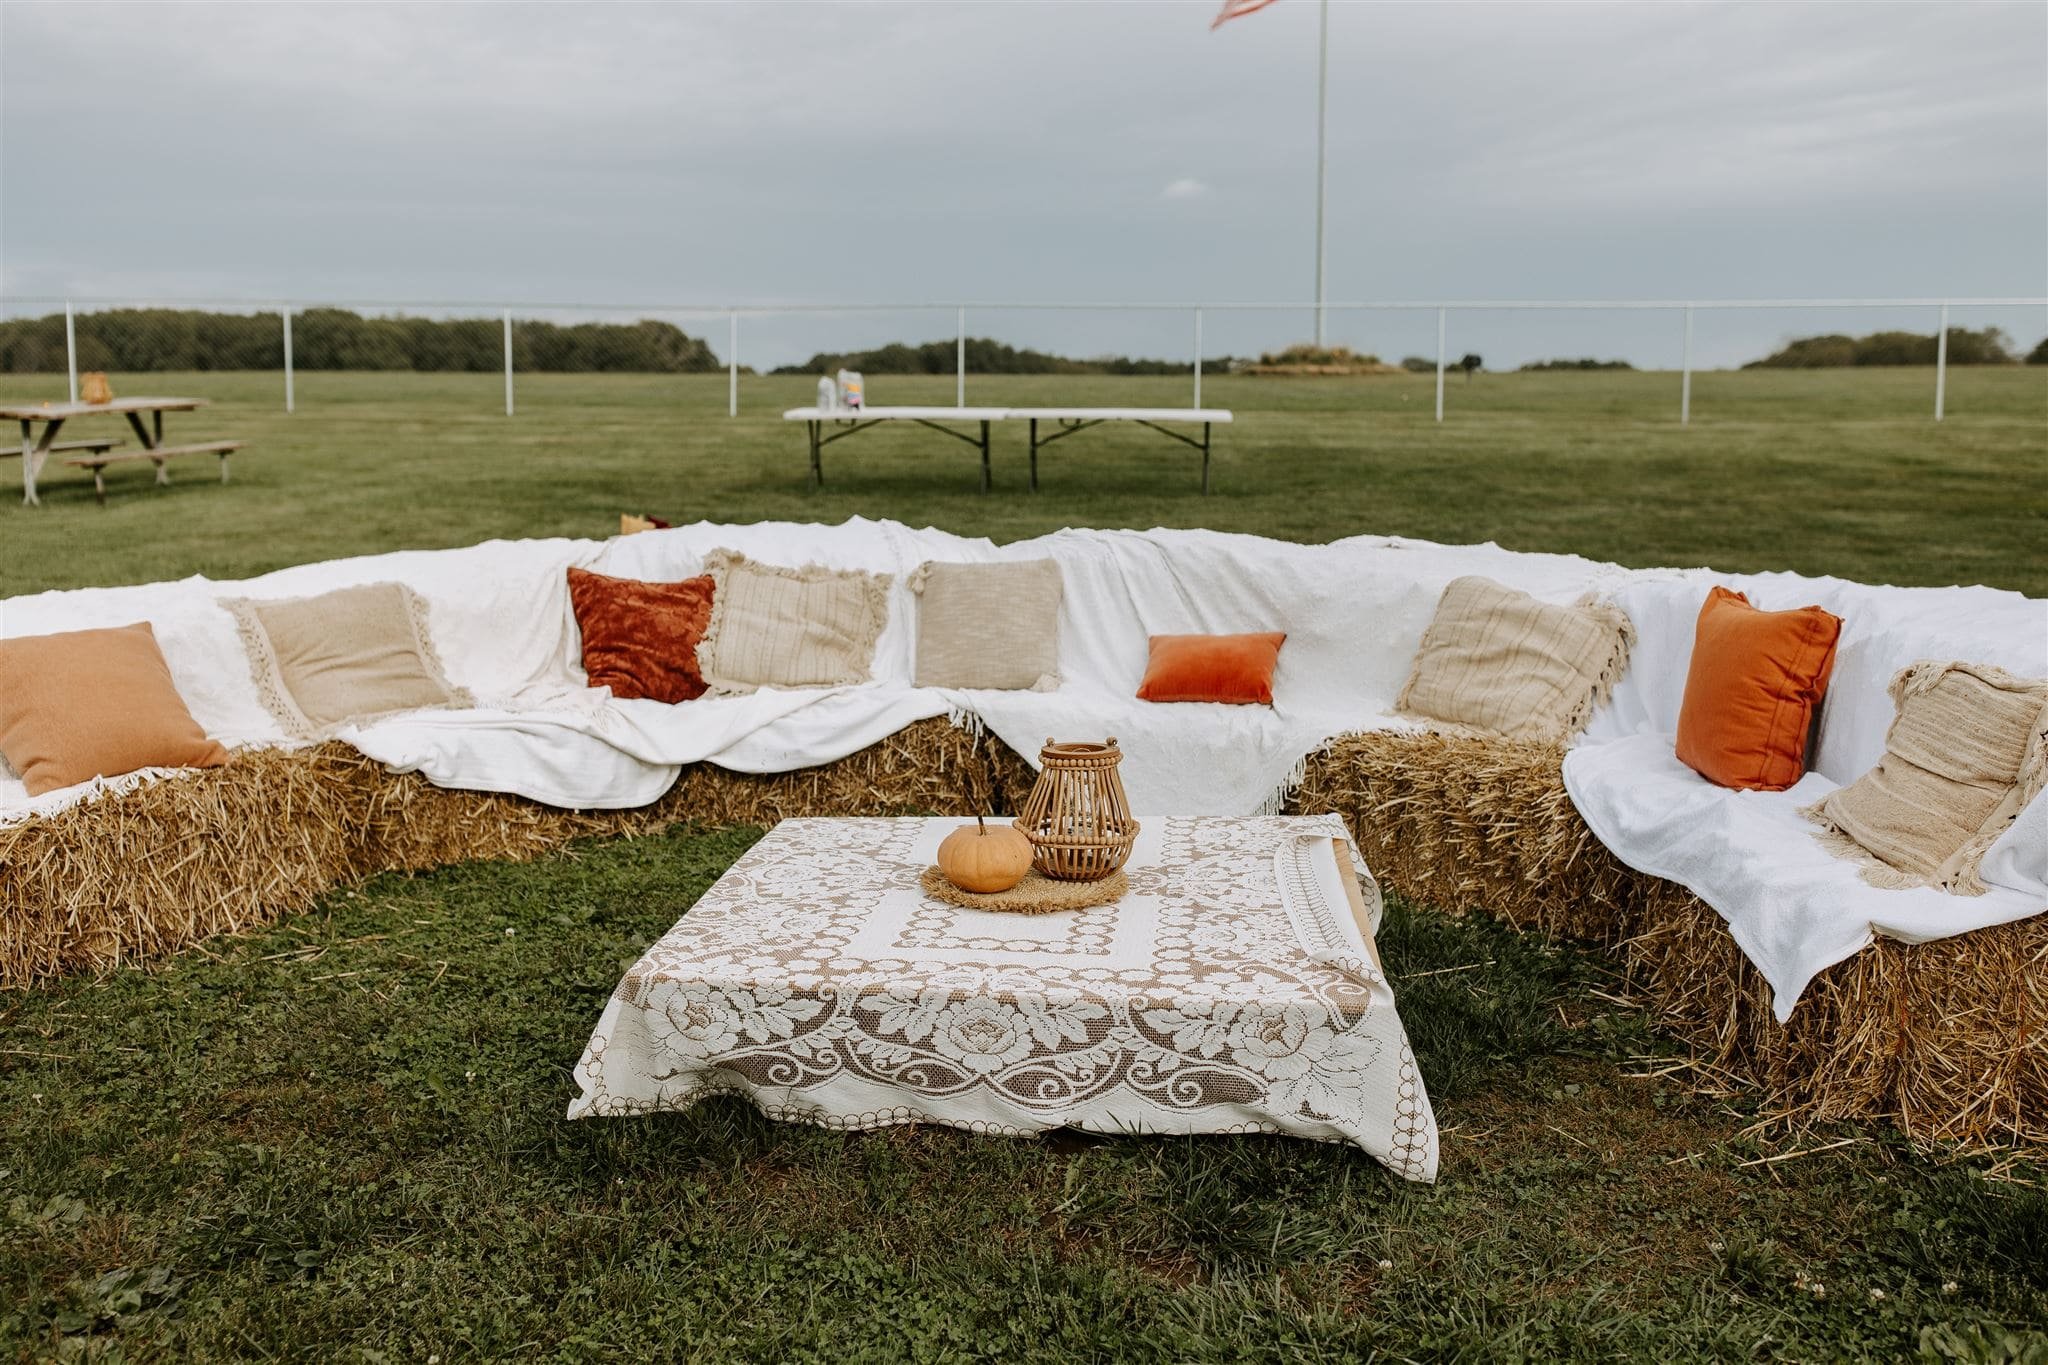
pixel 1753 690
pixel 1227 668
pixel 640 639
pixel 94 703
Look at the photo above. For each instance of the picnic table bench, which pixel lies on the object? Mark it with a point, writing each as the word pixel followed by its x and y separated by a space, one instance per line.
pixel 99 452
pixel 161 455
pixel 1066 422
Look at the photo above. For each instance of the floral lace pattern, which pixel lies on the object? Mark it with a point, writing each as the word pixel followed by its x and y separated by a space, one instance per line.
pixel 1232 989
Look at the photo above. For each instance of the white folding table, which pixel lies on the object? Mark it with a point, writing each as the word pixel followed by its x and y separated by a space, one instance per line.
pixel 1066 421
pixel 851 420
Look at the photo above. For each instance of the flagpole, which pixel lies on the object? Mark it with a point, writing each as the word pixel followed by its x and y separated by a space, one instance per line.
pixel 1322 153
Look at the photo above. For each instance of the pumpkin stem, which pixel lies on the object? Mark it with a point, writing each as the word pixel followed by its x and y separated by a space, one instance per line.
pixel 981 822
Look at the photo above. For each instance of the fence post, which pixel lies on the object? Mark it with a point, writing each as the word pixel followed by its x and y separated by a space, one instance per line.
pixel 71 350
pixel 1685 384
pixel 960 363
pixel 287 311
pixel 1198 357
pixel 1941 364
pixel 732 363
pixel 1439 364
pixel 508 362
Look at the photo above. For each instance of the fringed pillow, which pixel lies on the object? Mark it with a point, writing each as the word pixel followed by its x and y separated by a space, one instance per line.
pixel 989 625
pixel 1496 659
pixel 1967 750
pixel 345 656
pixel 778 627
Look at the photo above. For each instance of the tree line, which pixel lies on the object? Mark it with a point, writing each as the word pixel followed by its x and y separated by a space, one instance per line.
pixel 985 356
pixel 139 340
pixel 1990 346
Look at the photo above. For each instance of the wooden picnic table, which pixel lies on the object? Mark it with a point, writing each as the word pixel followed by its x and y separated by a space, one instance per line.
pixel 54 415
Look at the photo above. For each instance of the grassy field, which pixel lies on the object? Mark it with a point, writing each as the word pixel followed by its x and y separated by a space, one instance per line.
pixel 344 1137
pixel 1820 471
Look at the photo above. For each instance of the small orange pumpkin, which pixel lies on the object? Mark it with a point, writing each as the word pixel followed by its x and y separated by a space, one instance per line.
pixel 981 858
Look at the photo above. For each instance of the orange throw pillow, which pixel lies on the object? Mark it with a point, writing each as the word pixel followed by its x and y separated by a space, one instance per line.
pixel 94 703
pixel 1229 668
pixel 640 639
pixel 1753 691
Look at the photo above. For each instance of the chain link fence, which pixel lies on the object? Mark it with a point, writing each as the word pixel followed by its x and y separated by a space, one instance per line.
pixel 479 353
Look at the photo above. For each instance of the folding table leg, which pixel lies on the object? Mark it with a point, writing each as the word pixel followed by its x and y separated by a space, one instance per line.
pixel 1034 454
pixel 985 483
pixel 1205 459
pixel 817 456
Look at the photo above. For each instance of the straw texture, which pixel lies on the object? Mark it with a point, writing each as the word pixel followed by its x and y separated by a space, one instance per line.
pixel 132 877
pixel 1945 1039
pixel 1037 894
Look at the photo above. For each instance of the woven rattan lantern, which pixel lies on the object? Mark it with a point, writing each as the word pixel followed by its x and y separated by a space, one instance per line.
pixel 1077 816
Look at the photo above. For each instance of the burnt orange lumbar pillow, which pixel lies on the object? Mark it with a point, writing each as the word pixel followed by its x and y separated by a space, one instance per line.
pixel 1755 685
pixel 640 639
pixel 1230 668
pixel 94 703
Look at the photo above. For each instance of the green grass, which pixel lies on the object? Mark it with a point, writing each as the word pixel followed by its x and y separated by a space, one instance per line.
pixel 344 1138
pixel 1820 471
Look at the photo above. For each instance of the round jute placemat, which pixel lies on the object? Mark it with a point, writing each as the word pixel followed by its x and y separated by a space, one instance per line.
pixel 1037 894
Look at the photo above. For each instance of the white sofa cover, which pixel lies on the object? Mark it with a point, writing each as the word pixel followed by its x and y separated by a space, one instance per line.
pixel 1354 611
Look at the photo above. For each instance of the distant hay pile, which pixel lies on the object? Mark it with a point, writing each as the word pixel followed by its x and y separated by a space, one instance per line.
pixel 1947 1039
pixel 1319 360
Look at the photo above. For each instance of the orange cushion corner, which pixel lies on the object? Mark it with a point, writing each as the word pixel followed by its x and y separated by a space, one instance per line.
pixel 82 704
pixel 1224 668
pixel 1753 690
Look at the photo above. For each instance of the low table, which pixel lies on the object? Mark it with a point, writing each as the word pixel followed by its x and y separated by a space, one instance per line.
pixel 1234 988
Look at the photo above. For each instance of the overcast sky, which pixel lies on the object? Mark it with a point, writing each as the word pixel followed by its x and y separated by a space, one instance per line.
pixel 1038 152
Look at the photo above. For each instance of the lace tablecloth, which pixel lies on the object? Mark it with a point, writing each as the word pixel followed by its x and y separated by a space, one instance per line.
pixel 1235 988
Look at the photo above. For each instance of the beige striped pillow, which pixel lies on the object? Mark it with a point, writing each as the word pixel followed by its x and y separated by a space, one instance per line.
pixel 989 625
pixel 1967 750
pixel 1498 660
pixel 779 627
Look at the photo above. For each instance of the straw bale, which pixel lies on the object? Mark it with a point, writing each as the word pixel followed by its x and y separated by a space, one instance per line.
pixel 132 877
pixel 1466 823
pixel 1949 1039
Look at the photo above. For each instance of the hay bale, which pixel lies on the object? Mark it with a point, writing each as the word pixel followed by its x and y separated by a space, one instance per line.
pixel 133 877
pixel 1465 823
pixel 1948 1039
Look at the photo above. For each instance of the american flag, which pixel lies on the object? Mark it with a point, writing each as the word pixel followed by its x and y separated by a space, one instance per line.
pixel 1237 9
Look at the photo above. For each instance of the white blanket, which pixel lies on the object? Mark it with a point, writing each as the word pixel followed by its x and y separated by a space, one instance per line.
pixel 1353 612
pixel 1796 909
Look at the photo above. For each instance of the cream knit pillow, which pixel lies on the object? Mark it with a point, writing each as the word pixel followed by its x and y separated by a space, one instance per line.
pixel 1496 659
pixel 344 656
pixel 989 625
pixel 1967 749
pixel 778 627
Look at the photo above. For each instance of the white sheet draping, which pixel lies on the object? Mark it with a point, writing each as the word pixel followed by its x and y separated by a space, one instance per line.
pixel 1353 611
